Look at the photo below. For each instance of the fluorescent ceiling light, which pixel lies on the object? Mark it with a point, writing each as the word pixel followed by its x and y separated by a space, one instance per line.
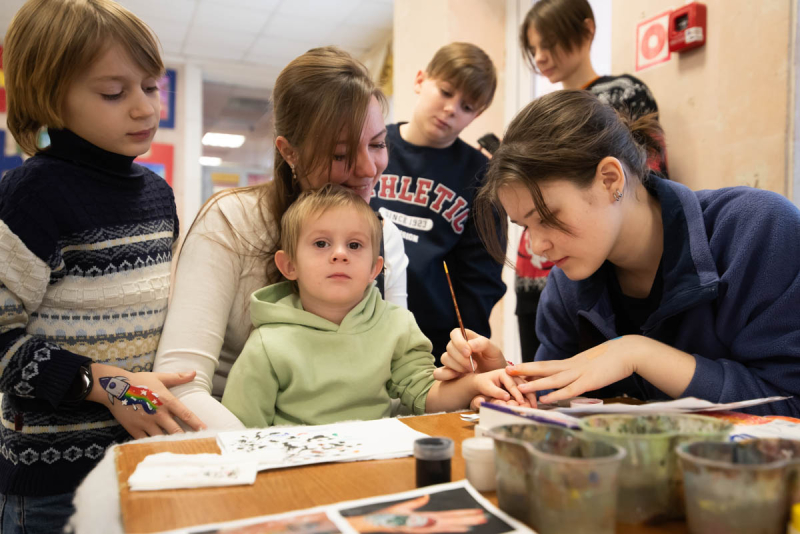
pixel 221 139
pixel 209 161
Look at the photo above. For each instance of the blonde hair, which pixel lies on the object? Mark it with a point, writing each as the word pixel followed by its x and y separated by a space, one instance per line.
pixel 316 202
pixel 49 43
pixel 469 69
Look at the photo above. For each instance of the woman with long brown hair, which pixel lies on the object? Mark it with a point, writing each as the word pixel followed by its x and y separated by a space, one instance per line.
pixel 657 291
pixel 329 127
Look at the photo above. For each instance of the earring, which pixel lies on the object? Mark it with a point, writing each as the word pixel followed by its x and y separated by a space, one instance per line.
pixel 617 195
pixel 294 174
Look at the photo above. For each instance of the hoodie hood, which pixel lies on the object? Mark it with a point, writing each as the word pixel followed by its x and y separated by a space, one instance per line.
pixel 279 304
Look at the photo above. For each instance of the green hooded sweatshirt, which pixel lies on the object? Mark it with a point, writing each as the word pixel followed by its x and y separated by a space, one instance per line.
pixel 300 369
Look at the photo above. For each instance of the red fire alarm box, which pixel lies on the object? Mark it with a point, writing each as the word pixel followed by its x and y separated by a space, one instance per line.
pixel 687 27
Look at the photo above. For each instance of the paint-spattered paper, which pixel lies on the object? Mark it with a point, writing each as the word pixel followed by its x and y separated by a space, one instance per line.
pixel 167 470
pixel 277 447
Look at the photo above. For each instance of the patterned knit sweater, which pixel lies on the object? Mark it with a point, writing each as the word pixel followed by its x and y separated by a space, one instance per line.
pixel 86 242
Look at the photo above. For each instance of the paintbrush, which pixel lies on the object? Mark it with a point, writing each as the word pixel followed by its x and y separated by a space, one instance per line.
pixel 458 313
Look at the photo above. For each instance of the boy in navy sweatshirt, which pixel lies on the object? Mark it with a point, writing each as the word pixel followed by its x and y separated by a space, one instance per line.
pixel 428 188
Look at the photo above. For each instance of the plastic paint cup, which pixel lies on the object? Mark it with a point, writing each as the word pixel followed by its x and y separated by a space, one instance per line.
pixel 433 460
pixel 789 449
pixel 555 481
pixel 650 482
pixel 478 456
pixel 736 488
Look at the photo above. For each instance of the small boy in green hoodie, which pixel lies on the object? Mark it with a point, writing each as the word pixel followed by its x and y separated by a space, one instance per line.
pixel 326 347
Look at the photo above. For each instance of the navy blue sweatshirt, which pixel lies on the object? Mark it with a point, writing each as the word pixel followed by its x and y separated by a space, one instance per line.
pixel 428 192
pixel 86 242
pixel 731 298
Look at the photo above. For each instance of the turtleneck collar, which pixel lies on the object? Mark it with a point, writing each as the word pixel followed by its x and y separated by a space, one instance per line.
pixel 68 146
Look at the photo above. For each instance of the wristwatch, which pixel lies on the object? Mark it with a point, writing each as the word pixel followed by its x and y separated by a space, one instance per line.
pixel 82 385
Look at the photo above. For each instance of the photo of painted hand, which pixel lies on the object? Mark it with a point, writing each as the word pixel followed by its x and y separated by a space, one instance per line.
pixel 403 517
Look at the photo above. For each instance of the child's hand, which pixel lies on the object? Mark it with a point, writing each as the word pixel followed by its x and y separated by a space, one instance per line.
pixel 499 385
pixel 529 402
pixel 141 402
pixel 486 355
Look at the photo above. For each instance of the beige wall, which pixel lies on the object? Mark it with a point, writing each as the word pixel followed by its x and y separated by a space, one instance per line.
pixel 725 106
pixel 421 27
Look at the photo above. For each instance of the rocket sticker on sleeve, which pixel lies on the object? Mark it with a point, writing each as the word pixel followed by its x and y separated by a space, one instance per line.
pixel 129 395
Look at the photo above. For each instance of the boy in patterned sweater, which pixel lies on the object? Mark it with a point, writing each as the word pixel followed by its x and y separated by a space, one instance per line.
pixel 86 241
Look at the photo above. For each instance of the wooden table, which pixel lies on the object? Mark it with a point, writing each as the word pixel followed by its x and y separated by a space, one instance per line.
pixel 283 490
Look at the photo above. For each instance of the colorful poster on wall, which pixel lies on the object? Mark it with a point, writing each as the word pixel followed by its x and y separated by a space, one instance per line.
pixel 159 159
pixel 224 180
pixel 2 84
pixel 166 89
pixel 652 46
pixel 7 162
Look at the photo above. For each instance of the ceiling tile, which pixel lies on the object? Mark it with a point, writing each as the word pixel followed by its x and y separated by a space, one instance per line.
pixel 226 17
pixel 168 30
pixel 298 28
pixel 179 10
pixel 277 60
pixel 217 44
pixel 269 46
pixel 321 9
pixel 260 5
pixel 171 47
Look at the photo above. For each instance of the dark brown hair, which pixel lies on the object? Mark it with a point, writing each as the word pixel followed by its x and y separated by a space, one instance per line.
pixel 317 97
pixel 561 136
pixel 50 42
pixel 469 69
pixel 561 25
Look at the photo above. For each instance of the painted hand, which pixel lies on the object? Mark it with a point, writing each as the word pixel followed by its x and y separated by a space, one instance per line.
pixel 141 402
pixel 486 355
pixel 590 370
pixel 490 384
pixel 402 517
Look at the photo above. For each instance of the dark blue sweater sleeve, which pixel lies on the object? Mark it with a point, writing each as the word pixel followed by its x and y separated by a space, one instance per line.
pixel 755 239
pixel 30 366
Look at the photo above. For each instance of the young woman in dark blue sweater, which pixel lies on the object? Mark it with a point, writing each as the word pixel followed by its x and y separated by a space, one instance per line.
pixel 657 291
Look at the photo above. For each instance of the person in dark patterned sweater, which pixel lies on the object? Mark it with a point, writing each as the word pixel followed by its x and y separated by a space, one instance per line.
pixel 556 40
pixel 86 240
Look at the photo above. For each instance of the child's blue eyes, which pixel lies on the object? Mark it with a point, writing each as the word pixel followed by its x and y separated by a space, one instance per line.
pixel 324 244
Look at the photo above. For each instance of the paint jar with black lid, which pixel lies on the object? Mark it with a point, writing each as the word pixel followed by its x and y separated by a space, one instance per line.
pixel 433 460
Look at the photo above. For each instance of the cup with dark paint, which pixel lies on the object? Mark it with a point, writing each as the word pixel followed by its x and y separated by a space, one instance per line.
pixel 735 488
pixel 555 481
pixel 650 482
pixel 433 458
